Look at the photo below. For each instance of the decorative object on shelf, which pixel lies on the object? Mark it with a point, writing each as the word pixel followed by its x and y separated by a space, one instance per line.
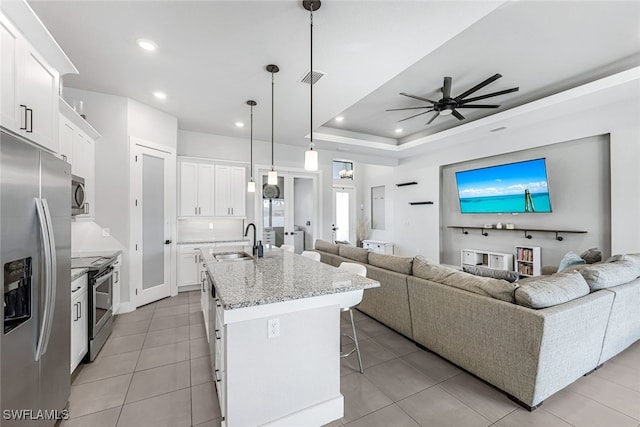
pixel 420 203
pixel 499 226
pixel 488 226
pixel 404 184
pixel 448 105
pixel 527 231
pixel 311 156
pixel 272 177
pixel 251 185
pixel 510 226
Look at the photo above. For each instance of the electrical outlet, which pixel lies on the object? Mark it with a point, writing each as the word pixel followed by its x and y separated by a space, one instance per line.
pixel 273 328
pixel 106 232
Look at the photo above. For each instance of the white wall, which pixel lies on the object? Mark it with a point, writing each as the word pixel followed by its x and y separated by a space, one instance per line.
pixel 147 123
pixel 417 229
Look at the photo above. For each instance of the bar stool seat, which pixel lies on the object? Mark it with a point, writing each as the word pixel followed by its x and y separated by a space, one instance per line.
pixel 311 255
pixel 360 270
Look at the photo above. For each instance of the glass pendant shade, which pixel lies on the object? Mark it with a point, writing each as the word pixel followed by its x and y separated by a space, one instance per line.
pixel 251 186
pixel 311 160
pixel 272 178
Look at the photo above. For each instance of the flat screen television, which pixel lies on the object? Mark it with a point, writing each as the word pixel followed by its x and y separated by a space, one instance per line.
pixel 510 188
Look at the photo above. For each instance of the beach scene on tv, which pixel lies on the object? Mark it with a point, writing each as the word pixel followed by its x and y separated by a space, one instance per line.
pixel 511 188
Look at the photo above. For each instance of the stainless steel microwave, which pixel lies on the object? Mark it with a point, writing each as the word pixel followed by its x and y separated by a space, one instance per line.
pixel 79 204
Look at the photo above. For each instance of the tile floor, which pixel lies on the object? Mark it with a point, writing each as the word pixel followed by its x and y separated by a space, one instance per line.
pixel 154 371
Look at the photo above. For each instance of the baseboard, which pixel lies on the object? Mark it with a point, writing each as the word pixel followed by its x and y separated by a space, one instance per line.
pixel 126 307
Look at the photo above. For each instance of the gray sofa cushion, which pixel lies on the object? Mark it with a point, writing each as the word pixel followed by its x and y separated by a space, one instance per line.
pixel 478 270
pixel 425 269
pixel 606 275
pixel 322 245
pixel 391 262
pixel 494 288
pixel 354 253
pixel 547 291
pixel 570 259
pixel 591 255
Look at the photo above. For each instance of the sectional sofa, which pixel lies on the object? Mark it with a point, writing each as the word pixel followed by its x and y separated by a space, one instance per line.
pixel 530 338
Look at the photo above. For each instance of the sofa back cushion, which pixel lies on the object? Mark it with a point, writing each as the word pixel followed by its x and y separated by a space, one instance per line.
pixel 494 288
pixel 425 269
pixel 478 270
pixel 354 253
pixel 391 262
pixel 547 291
pixel 324 246
pixel 609 274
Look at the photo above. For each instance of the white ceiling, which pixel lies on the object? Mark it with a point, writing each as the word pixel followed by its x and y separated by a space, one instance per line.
pixel 212 55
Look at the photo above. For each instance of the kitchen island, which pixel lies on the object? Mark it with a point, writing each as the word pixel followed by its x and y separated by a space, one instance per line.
pixel 274 334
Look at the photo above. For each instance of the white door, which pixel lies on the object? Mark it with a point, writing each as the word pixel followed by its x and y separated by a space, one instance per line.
pixel 291 212
pixel 151 224
pixel 344 214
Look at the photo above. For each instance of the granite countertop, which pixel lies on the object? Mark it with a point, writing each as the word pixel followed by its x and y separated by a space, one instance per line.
pixel 277 277
pixel 76 273
pixel 201 242
pixel 107 253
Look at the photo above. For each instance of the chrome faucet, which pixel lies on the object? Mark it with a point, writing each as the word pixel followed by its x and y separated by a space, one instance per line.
pixel 246 231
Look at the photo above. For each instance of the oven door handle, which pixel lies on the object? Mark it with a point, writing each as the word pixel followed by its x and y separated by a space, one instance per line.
pixel 103 278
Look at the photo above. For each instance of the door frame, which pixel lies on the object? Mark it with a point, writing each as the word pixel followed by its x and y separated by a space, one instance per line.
pixel 353 212
pixel 296 172
pixel 135 256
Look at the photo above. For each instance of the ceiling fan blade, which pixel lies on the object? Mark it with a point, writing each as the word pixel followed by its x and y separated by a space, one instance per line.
pixel 457 115
pixel 433 118
pixel 477 106
pixel 410 108
pixel 446 88
pixel 411 117
pixel 478 86
pixel 489 95
pixel 418 97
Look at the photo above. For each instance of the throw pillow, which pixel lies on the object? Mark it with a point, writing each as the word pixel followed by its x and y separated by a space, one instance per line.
pixel 486 286
pixel 591 255
pixel 607 275
pixel 547 291
pixel 478 270
pixel 569 260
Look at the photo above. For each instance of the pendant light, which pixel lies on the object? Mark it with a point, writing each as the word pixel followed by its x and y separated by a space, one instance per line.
pixel 311 156
pixel 272 177
pixel 251 185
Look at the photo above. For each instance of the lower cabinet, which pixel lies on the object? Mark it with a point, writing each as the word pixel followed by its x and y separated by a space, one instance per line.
pixel 79 321
pixel 188 266
pixel 117 272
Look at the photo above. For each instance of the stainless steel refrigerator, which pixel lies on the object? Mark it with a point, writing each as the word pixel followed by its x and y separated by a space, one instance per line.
pixel 35 255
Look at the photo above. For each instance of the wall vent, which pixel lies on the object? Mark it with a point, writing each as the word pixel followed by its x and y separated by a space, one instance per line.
pixel 317 75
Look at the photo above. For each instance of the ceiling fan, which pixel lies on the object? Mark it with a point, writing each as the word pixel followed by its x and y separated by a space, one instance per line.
pixel 448 105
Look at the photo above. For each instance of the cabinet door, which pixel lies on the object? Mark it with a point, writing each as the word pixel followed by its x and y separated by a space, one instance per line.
pixel 10 112
pixel 188 189
pixel 205 189
pixel 66 131
pixel 39 92
pixel 222 179
pixel 188 268
pixel 83 327
pixel 237 190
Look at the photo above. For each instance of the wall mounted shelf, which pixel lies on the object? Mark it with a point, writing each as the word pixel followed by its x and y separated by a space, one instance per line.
pixel 527 231
pixel 404 184
pixel 420 203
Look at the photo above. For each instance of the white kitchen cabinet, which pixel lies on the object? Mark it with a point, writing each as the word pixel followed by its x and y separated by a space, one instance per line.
pixel 117 278
pixel 29 89
pixel 79 321
pixel 490 259
pixel 196 189
pixel 66 130
pixel 230 191
pixel 188 266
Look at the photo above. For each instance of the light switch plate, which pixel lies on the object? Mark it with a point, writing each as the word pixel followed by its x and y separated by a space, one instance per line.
pixel 273 328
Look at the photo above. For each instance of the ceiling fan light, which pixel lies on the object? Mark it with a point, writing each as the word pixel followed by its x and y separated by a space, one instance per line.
pixel 446 112
pixel 272 178
pixel 311 159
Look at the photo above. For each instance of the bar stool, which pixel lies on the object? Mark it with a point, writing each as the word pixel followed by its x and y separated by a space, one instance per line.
pixel 360 270
pixel 311 255
pixel 287 248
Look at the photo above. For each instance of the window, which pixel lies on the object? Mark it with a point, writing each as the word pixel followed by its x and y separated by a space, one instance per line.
pixel 342 169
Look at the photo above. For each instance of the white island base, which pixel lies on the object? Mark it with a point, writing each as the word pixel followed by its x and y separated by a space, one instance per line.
pixel 288 380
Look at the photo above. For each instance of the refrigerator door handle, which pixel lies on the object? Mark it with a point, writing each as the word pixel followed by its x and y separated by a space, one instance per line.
pixel 53 283
pixel 46 249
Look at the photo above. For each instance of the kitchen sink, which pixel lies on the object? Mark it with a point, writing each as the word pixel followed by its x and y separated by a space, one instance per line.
pixel 233 256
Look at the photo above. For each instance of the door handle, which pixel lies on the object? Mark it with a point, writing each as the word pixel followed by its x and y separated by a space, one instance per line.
pixel 25 117
pixel 167 242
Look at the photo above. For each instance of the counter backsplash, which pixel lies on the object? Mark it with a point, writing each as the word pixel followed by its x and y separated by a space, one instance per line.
pixel 204 229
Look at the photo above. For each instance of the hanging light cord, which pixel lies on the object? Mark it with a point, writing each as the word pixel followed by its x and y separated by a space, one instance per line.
pixel 272 120
pixel 251 133
pixel 311 82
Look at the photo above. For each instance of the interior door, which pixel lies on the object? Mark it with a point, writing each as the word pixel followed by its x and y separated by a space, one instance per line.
pixel 151 225
pixel 344 214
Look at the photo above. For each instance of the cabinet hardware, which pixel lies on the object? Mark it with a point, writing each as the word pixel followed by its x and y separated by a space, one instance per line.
pixel 216 334
pixel 86 208
pixel 167 242
pixel 217 379
pixel 231 211
pixel 30 130
pixel 195 259
pixel 195 210
pixel 25 117
pixel 117 277
pixel 79 309
pixel 199 210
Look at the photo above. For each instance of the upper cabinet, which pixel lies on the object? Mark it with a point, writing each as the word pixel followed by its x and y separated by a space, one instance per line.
pixel 211 190
pixel 196 189
pixel 230 191
pixel 29 89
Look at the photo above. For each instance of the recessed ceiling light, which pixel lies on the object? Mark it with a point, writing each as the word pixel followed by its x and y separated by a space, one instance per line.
pixel 339 119
pixel 160 95
pixel 147 44
pixel 399 130
pixel 239 124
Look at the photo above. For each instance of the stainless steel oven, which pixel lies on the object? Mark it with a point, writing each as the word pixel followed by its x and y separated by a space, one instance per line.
pixel 79 203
